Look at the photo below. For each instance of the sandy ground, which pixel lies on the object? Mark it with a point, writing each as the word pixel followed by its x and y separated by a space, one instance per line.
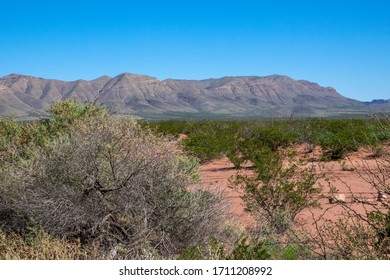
pixel 216 175
pixel 348 176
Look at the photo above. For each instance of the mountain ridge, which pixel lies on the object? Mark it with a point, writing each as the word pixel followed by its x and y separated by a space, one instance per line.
pixel 148 97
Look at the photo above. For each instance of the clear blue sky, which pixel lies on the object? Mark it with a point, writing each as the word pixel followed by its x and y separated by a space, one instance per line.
pixel 344 44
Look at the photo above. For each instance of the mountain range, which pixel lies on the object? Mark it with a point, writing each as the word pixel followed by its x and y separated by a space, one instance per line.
pixel 146 97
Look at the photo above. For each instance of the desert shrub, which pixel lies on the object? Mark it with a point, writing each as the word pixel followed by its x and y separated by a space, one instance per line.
pixel 169 127
pixel 19 140
pixel 381 223
pixel 290 253
pixel 383 135
pixel 192 253
pixel 10 131
pixel 341 136
pixel 277 192
pixel 209 140
pixel 213 250
pixel 38 245
pixel 236 139
pixel 110 181
pixel 356 238
pixel 204 146
pixel 242 250
pixel 66 113
pixel 364 234
pixel 274 137
pixel 254 250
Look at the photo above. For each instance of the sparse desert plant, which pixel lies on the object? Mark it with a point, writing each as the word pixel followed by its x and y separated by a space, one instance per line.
pixel 354 237
pixel 277 193
pixel 363 234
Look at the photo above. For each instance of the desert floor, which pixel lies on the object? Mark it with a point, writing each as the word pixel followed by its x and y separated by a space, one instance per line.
pixel 350 176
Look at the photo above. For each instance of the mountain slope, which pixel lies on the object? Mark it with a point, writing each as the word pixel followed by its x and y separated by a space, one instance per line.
pixel 145 96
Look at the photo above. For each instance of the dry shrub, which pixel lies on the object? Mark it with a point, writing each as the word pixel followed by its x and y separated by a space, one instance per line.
pixel 365 233
pixel 42 246
pixel 113 183
pixel 354 238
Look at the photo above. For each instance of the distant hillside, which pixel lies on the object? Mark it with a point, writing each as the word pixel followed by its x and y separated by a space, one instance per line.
pixel 147 97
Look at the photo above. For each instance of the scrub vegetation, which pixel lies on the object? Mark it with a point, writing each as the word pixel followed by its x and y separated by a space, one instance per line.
pixel 84 184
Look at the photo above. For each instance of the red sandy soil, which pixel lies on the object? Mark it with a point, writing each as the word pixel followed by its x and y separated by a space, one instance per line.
pixel 348 176
pixel 215 175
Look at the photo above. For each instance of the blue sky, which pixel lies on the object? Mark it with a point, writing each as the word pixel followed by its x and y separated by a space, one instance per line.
pixel 344 44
